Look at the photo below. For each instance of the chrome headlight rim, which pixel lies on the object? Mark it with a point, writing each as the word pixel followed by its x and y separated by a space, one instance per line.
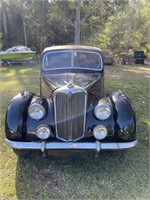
pixel 32 111
pixel 103 110
pixel 41 134
pixel 100 132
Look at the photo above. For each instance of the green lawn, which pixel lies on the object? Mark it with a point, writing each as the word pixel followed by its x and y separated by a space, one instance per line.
pixel 80 176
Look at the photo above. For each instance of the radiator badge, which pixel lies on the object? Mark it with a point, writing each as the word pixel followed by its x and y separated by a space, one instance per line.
pixel 73 146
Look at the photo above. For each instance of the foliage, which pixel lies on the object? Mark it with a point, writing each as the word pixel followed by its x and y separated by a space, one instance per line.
pixel 128 30
pixel 114 26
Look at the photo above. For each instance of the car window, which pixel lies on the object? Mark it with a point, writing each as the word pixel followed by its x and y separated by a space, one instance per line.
pixel 72 59
pixel 15 50
pixel 57 60
pixel 86 60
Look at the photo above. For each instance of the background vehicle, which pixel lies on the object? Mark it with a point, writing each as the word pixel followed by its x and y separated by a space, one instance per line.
pixel 17 54
pixel 108 60
pixel 139 57
pixel 72 111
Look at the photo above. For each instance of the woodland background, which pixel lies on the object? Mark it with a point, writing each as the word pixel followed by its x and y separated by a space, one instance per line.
pixel 116 26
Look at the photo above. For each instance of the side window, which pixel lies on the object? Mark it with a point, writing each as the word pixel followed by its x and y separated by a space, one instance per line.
pixel 15 50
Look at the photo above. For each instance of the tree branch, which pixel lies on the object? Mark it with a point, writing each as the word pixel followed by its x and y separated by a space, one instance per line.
pixel 92 8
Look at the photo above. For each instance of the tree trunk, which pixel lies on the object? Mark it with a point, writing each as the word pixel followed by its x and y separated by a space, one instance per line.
pixel 42 25
pixel 77 27
pixel 4 19
pixel 23 23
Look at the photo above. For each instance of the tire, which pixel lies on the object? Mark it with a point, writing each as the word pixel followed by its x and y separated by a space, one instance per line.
pixel 22 152
pixel 5 63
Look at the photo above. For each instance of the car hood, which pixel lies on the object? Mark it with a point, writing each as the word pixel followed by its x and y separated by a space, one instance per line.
pixel 84 80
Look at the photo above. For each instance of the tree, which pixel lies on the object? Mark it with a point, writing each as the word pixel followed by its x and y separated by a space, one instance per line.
pixel 113 25
pixel 127 30
pixel 23 23
pixel 77 24
pixel 4 19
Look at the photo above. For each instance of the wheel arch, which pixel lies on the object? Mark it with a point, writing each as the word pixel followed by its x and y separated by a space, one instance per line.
pixel 16 115
pixel 124 115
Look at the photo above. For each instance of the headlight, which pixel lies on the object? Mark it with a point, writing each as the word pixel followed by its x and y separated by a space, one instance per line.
pixel 100 132
pixel 43 132
pixel 102 110
pixel 36 111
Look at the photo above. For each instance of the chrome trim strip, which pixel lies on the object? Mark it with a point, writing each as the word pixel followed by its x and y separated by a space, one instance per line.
pixel 70 145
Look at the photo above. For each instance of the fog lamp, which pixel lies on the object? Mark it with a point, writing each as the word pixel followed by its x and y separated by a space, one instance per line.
pixel 43 132
pixel 100 132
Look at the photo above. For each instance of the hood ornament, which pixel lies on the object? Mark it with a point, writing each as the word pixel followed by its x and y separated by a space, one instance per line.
pixel 69 84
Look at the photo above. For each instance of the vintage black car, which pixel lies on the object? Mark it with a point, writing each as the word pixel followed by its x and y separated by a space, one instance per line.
pixel 72 111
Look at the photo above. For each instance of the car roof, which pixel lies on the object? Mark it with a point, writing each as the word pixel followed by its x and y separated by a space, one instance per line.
pixel 72 47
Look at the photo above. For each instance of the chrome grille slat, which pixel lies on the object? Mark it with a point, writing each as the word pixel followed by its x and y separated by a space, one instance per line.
pixel 70 113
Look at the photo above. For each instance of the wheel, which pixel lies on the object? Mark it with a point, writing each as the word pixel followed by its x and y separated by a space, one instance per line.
pixel 22 152
pixel 5 63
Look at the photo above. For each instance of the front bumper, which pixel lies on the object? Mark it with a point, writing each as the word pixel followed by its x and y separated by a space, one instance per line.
pixel 70 145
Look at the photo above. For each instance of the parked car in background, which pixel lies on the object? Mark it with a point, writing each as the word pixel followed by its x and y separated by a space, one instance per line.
pixel 72 110
pixel 139 57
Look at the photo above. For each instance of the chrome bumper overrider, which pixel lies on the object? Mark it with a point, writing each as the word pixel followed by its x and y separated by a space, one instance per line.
pixel 70 145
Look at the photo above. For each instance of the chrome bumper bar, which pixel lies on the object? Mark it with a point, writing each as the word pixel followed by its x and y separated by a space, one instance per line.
pixel 70 145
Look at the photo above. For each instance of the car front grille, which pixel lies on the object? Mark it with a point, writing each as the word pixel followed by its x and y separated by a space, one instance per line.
pixel 70 112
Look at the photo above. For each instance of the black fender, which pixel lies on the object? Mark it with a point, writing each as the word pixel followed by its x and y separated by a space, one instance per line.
pixel 32 124
pixel 16 116
pixel 121 124
pixel 124 117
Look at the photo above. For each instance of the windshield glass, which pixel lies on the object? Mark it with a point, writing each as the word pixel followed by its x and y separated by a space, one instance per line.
pixel 72 59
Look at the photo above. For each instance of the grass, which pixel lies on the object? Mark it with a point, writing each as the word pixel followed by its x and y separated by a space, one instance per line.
pixel 80 176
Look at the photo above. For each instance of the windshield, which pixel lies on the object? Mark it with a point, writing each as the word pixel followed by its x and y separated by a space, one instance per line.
pixel 72 59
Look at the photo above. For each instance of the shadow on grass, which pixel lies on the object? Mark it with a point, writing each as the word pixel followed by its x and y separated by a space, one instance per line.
pixel 83 176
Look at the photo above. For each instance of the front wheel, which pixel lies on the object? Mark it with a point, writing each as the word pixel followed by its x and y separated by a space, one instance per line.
pixel 22 152
pixel 4 63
